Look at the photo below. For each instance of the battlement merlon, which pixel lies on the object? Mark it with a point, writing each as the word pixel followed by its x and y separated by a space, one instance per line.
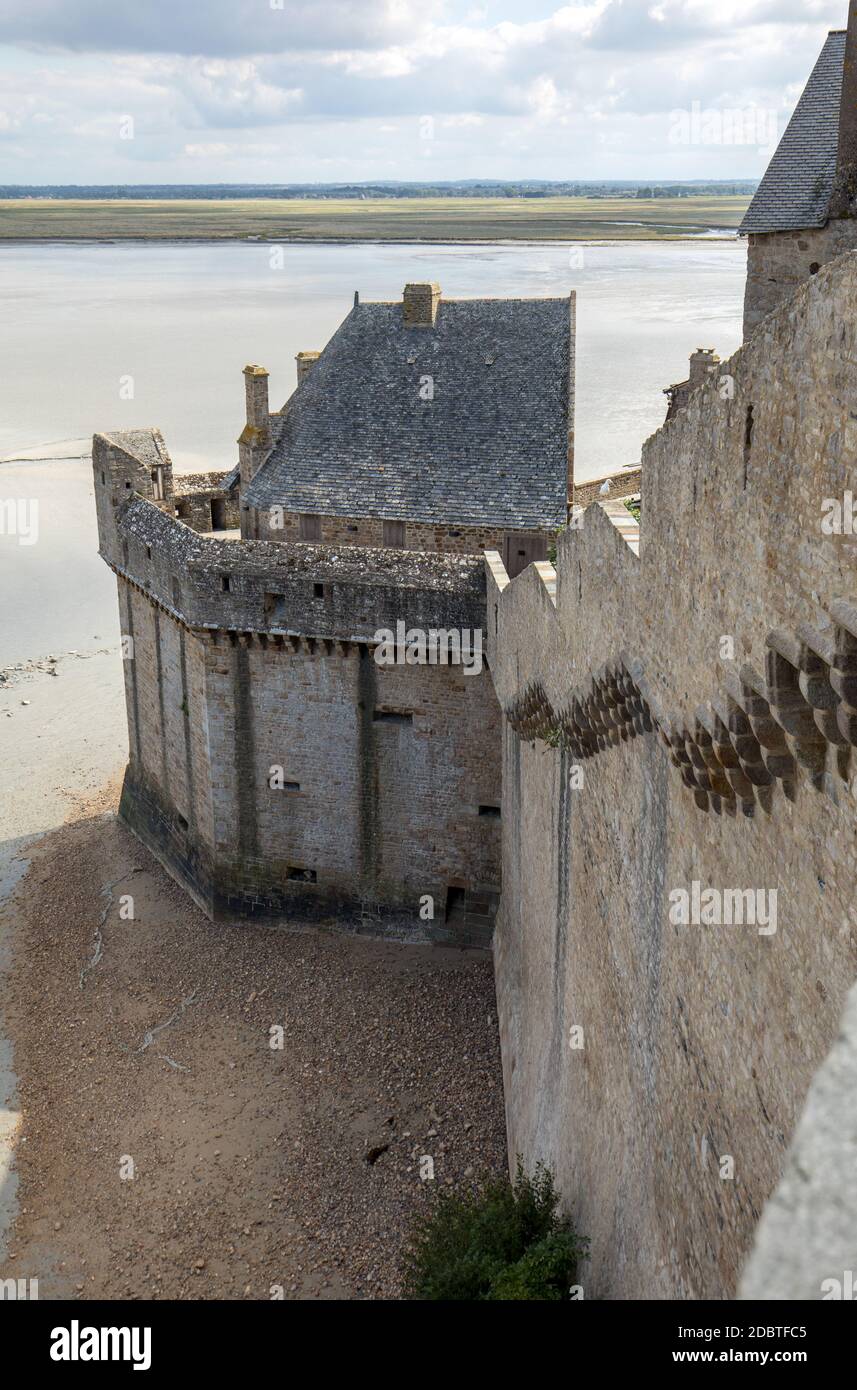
pixel 345 594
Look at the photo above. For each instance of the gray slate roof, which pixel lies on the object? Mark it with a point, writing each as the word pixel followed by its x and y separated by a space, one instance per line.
pixel 489 449
pixel 795 191
pixel 147 445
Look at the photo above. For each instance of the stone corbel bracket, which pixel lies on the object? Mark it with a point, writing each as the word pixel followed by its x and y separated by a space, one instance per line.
pixel 799 720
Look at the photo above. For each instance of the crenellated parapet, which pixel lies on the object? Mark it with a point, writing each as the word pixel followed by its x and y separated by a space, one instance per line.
pixel 730 629
pixel 658 1040
pixel 757 731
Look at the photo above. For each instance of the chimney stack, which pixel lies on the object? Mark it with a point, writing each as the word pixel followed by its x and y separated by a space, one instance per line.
pixel 703 361
pixel 843 199
pixel 419 305
pixel 254 441
pixel 305 361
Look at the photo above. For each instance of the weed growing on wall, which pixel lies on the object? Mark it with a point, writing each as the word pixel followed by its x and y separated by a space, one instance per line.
pixel 505 1242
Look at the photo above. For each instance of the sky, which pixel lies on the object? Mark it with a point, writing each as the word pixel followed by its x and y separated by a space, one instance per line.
pixel 281 91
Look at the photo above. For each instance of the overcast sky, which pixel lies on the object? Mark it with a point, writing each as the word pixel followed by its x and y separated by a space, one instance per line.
pixel 337 90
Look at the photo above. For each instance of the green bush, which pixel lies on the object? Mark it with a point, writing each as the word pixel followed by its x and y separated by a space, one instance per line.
pixel 505 1242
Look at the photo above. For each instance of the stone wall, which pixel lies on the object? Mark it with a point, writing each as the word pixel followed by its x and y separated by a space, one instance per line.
pixel 448 539
pixel 702 700
pixel 806 1243
pixel 625 484
pixel 275 767
pixel 778 262
pixel 203 504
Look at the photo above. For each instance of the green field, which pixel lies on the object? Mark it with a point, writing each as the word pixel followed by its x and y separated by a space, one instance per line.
pixel 381 219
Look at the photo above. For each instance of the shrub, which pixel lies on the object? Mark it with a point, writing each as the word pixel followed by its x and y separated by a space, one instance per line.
pixel 505 1242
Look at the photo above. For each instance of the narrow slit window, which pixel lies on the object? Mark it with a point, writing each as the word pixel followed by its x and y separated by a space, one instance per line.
pixel 456 903
pixel 748 440
pixel 392 716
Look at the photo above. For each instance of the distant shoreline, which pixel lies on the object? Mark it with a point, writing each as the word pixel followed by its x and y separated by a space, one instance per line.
pixel 399 221
pixel 716 236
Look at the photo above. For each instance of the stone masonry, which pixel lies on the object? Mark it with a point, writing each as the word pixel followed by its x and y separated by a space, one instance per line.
pixel 686 715
pixel 275 768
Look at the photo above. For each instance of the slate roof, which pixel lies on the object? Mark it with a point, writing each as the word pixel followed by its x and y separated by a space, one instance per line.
pixel 795 191
pixel 489 449
pixel 147 445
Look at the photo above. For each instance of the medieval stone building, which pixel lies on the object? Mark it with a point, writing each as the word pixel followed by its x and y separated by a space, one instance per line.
pixel 664 718
pixel 431 424
pixel 279 764
pixel 804 212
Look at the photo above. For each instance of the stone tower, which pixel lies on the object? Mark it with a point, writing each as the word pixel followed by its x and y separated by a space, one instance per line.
pixel 804 212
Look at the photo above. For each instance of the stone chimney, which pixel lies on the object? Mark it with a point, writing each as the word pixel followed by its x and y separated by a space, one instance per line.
pixel 419 305
pixel 843 199
pixel 305 361
pixel 702 362
pixel 254 441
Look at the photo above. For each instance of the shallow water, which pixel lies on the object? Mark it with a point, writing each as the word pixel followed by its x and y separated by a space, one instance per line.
pixel 183 320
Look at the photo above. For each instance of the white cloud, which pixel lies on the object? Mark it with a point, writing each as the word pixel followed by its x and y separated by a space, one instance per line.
pixel 340 85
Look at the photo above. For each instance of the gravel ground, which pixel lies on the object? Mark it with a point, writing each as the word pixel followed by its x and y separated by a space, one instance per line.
pixel 146 1041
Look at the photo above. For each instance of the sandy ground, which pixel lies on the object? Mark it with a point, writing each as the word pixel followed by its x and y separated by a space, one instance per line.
pixel 251 1165
pixel 146 1041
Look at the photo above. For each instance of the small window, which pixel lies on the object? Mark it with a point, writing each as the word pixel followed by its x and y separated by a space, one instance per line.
pixel 103 478
pixel 182 823
pixel 318 590
pixel 225 583
pixel 490 812
pixel 814 268
pixel 148 552
pixel 392 716
pixel 298 875
pixel 310 528
pixel 394 534
pixel 455 534
pixel 352 528
pixel 275 605
pixel 456 903
pixel 291 786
